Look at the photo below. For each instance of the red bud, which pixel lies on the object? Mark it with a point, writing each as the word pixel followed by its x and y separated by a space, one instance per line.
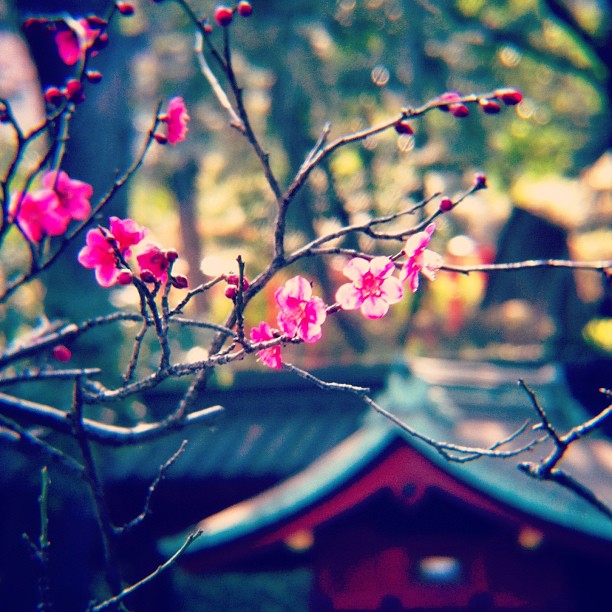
pixel 244 9
pixel 458 110
pixel 125 8
pixel 179 281
pixel 62 353
pixel 223 15
pixel 125 277
pixel 404 127
pixel 93 76
pixel 53 95
pixel 446 204
pixel 509 95
pixel 491 107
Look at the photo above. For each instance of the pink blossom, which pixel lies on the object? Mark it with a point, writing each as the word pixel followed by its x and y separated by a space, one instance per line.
pixel 372 288
pixel 420 259
pixel 268 356
pixel 73 194
pixel 69 42
pixel 300 314
pixel 127 233
pixel 153 263
pixel 99 254
pixel 39 214
pixel 176 119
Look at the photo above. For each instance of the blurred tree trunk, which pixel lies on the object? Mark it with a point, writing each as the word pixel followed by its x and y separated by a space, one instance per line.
pixel 99 143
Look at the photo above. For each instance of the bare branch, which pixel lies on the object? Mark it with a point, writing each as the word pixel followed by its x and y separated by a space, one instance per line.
pixel 163 567
pixel 110 435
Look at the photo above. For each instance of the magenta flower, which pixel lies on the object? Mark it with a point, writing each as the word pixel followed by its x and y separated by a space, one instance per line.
pixel 73 195
pixel 372 288
pixel 420 259
pixel 39 214
pixel 300 314
pixel 127 233
pixel 100 252
pixel 69 44
pixel 176 119
pixel 268 356
pixel 153 264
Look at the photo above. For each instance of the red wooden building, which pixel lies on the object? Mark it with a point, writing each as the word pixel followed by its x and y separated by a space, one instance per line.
pixel 383 522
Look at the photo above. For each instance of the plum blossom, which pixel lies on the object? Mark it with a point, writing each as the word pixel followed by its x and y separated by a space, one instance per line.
pixel 176 119
pixel 420 259
pixel 100 251
pixel 372 288
pixel 69 42
pixel 127 233
pixel 39 214
pixel 268 356
pixel 49 210
pixel 300 314
pixel 154 264
pixel 73 195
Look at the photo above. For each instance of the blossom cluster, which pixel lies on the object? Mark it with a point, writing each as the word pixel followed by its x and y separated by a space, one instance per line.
pixel 372 289
pixel 108 249
pixel 48 211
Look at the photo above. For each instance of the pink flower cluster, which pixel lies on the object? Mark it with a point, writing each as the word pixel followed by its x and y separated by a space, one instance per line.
pixel 373 288
pixel 300 316
pixel 107 250
pixel 49 210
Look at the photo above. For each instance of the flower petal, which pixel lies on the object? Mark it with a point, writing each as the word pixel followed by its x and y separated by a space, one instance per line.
pixel 392 290
pixel 382 267
pixel 349 297
pixel 374 308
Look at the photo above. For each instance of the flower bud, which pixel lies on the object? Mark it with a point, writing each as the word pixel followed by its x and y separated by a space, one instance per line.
pixel 509 95
pixel 480 181
pixel 449 96
pixel 404 127
pixel 74 91
pixel 171 255
pixel 490 107
pixel 162 139
pixel 62 353
pixel 446 204
pixel 93 76
pixel 125 277
pixel 231 291
pixel 125 8
pixel 96 23
pixel 147 276
pixel 179 281
pixel 458 110
pixel 53 96
pixel 206 26
pixel 223 15
pixel 244 9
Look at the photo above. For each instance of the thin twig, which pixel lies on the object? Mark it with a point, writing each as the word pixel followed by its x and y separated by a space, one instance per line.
pixel 150 492
pixel 164 566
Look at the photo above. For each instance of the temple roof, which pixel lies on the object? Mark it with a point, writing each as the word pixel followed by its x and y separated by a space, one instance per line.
pixel 472 404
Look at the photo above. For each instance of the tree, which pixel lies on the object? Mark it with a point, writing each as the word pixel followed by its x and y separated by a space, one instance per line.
pixel 272 296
